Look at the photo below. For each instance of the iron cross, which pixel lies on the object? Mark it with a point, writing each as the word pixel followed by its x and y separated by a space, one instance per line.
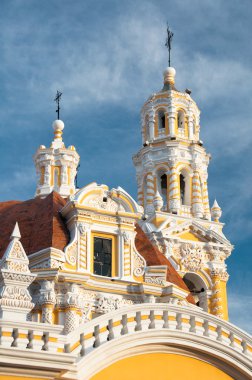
pixel 168 43
pixel 57 100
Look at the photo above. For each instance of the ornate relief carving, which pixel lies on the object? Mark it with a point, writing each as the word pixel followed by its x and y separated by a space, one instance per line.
pixel 126 237
pixel 191 256
pixel 155 280
pixel 47 293
pixel 106 304
pixel 109 204
pixel 138 264
pixel 221 273
pixel 71 253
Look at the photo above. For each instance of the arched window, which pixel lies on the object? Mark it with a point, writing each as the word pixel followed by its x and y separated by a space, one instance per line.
pixel 161 120
pixel 197 289
pixel 185 188
pixel 182 188
pixel 163 187
pixel 181 120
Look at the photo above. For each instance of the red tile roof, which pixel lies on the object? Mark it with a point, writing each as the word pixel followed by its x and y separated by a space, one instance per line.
pixel 40 223
pixel 154 257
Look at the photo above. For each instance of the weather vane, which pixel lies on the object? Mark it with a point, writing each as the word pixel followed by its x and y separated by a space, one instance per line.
pixel 168 43
pixel 57 100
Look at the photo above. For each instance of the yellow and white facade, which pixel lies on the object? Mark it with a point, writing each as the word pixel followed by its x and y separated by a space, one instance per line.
pixel 102 309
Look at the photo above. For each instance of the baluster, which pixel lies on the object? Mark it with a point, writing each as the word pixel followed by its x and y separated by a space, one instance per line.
pixel 192 324
pixel 67 348
pixel 179 321
pixel 124 321
pixel 231 338
pixel 15 337
pixel 82 343
pixel 96 335
pixel 219 333
pixel 152 320
pixel 206 328
pixel 138 317
pixel 110 330
pixel 30 339
pixel 165 319
pixel 244 347
pixel 45 338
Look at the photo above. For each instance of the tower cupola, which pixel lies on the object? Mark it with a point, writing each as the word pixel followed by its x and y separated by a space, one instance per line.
pixel 172 160
pixel 56 166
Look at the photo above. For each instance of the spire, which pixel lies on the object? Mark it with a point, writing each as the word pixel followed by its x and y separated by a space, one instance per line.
pixel 15 278
pixel 16 233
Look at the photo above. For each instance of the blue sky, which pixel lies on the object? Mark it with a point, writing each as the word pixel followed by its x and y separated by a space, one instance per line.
pixel 107 57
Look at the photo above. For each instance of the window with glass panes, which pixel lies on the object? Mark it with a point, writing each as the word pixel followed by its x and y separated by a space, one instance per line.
pixel 102 256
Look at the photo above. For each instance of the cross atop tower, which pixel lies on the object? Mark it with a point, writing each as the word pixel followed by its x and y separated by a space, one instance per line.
pixel 168 42
pixel 57 100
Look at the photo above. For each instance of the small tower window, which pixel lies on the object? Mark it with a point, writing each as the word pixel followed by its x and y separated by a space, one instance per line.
pixel 102 256
pixel 161 120
pixel 182 188
pixel 163 187
pixel 181 120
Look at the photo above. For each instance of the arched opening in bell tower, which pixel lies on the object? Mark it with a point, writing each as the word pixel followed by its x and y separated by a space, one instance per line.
pixel 198 289
pixel 181 120
pixel 184 184
pixel 161 120
pixel 162 185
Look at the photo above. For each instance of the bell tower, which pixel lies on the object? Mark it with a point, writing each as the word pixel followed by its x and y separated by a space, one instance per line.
pixel 172 164
pixel 56 166
pixel 172 172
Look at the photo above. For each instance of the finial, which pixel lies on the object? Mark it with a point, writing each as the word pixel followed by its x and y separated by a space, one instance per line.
pixel 16 232
pixel 216 211
pixel 57 100
pixel 158 201
pixel 168 42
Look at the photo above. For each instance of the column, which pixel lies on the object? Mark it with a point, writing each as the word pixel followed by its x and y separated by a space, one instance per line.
pixel 207 213
pixel 171 121
pixel 72 308
pixel 47 300
pixel 174 201
pixel 140 194
pixel 219 293
pixel 149 192
pixel 197 205
pixel 190 128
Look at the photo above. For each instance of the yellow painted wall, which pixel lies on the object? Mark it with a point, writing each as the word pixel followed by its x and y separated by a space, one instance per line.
pixel 161 366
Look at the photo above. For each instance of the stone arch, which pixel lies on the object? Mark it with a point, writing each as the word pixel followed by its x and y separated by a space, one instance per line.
pixel 167 342
pixel 185 174
pixel 198 288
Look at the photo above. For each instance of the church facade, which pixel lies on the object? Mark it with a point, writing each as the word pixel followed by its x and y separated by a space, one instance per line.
pixel 95 285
